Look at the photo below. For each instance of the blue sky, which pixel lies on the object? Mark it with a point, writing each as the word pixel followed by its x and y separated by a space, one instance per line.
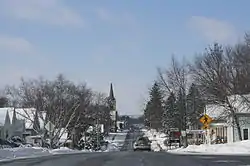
pixel 100 42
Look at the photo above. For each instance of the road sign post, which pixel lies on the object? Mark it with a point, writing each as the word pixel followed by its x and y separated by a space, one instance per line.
pixel 50 128
pixel 206 120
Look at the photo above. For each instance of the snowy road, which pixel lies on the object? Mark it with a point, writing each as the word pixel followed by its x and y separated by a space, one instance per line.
pixel 126 158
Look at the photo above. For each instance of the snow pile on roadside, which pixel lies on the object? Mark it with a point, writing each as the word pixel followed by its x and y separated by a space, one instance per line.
pixel 116 140
pixel 22 152
pixel 242 147
pixel 112 148
pixel 157 139
pixel 63 150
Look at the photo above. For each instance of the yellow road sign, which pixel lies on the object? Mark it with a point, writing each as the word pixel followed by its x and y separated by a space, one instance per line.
pixel 205 119
pixel 205 126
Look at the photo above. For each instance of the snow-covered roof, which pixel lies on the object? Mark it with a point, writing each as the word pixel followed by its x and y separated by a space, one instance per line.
pixel 26 114
pixel 3 112
pixel 215 111
pixel 240 103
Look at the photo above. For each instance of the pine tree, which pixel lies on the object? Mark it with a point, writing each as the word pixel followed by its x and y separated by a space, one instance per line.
pixel 154 108
pixel 147 115
pixel 170 114
pixel 195 107
pixel 181 110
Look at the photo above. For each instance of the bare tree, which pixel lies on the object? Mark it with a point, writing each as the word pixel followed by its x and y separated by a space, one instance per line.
pixel 217 75
pixel 60 99
pixel 176 80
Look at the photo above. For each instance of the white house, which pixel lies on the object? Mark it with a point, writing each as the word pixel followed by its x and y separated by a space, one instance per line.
pixel 20 121
pixel 223 125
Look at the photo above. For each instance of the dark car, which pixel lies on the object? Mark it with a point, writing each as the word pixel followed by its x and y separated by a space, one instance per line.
pixel 142 143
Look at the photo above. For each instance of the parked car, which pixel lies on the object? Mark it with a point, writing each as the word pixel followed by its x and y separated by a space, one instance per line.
pixel 142 143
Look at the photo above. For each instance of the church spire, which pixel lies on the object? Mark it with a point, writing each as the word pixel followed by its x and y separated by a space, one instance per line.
pixel 111 93
pixel 14 118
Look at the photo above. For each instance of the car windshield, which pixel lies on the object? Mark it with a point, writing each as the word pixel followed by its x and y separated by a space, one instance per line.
pixel 143 140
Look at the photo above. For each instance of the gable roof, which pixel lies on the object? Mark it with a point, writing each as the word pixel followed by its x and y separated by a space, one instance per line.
pixel 26 114
pixel 240 103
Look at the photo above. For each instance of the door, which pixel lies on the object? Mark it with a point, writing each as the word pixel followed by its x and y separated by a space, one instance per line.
pixel 245 134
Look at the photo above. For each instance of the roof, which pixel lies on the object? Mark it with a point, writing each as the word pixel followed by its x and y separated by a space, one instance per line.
pixel 26 114
pixel 240 103
pixel 111 93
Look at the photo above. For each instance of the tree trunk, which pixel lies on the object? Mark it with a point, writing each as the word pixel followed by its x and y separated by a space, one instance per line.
pixel 235 118
pixel 238 126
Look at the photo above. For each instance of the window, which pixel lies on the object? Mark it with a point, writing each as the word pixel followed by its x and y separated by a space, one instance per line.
pixel 245 134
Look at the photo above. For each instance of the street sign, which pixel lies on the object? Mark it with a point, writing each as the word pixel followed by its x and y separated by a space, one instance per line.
pixel 205 126
pixel 205 119
pixel 50 126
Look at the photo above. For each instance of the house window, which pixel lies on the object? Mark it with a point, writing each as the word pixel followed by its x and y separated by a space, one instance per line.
pixel 245 134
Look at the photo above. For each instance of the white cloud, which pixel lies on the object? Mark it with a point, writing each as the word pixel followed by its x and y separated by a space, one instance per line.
pixel 46 11
pixel 15 45
pixel 213 29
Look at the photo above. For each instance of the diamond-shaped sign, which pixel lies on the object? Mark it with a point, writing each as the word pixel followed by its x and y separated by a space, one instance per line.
pixel 205 119
pixel 205 126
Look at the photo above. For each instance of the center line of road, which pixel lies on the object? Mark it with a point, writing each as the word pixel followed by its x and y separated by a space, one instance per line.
pixel 141 162
pixel 226 161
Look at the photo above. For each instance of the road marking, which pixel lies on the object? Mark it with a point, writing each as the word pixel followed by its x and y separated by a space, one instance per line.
pixel 141 162
pixel 226 161
pixel 206 157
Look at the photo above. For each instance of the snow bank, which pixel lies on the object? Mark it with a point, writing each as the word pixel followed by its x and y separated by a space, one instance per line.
pixel 63 150
pixel 157 139
pixel 116 139
pixel 242 147
pixel 22 152
pixel 112 147
pixel 27 152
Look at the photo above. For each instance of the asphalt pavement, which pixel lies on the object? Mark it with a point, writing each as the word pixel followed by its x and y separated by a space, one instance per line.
pixel 127 157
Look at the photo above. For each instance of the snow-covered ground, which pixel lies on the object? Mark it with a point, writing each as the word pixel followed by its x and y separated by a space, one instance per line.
pixel 11 153
pixel 242 147
pixel 157 139
pixel 116 140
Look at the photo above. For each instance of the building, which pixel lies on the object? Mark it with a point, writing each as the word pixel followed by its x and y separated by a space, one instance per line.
pixel 223 127
pixel 20 122
pixel 112 108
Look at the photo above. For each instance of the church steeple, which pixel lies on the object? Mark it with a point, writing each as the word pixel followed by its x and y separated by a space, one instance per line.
pixel 14 118
pixel 111 98
pixel 111 93
pixel 112 108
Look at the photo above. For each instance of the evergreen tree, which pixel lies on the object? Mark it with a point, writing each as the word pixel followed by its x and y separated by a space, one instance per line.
pixel 154 108
pixel 170 114
pixel 3 102
pixel 181 110
pixel 147 115
pixel 195 107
